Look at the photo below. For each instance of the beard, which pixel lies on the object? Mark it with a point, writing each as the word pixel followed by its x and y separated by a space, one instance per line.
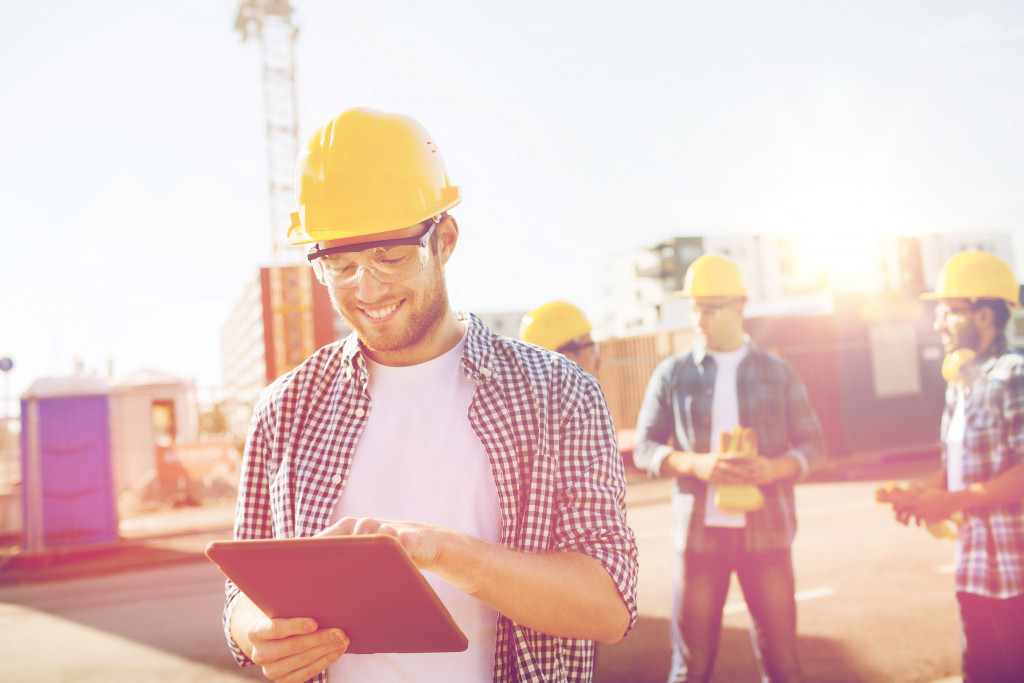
pixel 431 305
pixel 967 337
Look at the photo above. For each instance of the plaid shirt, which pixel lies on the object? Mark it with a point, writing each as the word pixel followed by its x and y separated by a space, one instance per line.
pixel 546 429
pixel 772 401
pixel 990 557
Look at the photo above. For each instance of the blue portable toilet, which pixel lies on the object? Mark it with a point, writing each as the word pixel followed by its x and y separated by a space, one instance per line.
pixel 67 482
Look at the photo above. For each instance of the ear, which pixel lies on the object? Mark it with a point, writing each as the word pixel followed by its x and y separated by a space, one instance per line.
pixel 985 317
pixel 447 236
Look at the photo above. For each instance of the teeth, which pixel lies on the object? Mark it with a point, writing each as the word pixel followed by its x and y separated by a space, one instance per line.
pixel 378 313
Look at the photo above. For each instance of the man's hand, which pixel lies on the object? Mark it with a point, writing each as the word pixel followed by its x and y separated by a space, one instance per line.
pixel 920 504
pixel 423 542
pixel 724 469
pixel 293 650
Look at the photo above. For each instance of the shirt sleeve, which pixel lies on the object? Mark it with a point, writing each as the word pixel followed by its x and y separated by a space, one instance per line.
pixel 252 511
pixel 1013 412
pixel 592 505
pixel 806 438
pixel 655 424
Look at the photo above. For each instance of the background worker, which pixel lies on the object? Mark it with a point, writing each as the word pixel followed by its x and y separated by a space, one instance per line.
pixel 982 478
pixel 418 416
pixel 562 327
pixel 725 382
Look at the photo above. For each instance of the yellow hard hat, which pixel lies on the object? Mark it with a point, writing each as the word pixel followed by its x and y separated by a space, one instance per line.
pixel 976 275
pixel 553 325
pixel 368 172
pixel 712 275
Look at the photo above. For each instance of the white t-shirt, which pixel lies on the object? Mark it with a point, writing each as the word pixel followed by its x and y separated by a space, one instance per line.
pixel 956 430
pixel 418 459
pixel 725 416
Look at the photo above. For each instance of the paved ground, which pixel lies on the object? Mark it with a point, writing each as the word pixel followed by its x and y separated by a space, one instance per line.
pixel 162 541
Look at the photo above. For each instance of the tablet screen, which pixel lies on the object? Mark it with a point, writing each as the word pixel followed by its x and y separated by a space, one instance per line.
pixel 365 585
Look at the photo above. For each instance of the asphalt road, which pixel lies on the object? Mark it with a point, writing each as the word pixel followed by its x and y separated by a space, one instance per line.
pixel 875 599
pixel 875 604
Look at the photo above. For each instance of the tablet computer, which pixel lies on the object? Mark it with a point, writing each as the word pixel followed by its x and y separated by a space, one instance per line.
pixel 365 585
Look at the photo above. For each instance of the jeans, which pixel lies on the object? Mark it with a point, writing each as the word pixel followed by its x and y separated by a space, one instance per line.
pixel 700 586
pixel 991 638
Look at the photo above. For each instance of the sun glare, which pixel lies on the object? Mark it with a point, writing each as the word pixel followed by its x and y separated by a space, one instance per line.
pixel 836 220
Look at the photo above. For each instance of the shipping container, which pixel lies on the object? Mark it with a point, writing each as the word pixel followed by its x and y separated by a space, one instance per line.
pixel 871 367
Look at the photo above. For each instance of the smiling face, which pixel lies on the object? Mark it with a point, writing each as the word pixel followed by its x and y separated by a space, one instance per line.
pixel 406 322
pixel 956 323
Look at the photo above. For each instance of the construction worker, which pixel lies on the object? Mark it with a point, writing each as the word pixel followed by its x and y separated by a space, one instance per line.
pixel 982 478
pixel 418 415
pixel 733 425
pixel 562 327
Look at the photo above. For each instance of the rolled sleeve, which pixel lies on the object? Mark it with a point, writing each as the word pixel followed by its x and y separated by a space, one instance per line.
pixel 592 517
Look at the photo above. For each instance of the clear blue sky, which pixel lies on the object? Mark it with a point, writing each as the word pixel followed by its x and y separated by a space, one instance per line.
pixel 133 163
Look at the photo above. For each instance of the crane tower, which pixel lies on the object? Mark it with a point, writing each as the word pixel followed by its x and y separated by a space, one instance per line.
pixel 283 316
pixel 271 22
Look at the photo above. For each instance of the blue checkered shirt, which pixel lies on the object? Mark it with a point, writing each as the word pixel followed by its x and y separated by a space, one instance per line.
pixel 546 428
pixel 772 400
pixel 990 557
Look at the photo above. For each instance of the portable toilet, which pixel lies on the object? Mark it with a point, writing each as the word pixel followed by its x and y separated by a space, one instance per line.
pixel 67 483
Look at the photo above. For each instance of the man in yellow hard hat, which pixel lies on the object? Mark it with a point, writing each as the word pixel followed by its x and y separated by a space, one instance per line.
pixel 514 507
pixel 982 479
pixel 562 327
pixel 732 423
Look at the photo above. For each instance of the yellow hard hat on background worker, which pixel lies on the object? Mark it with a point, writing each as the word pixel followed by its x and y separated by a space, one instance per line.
pixel 561 327
pixel 975 275
pixel 553 325
pixel 713 276
pixel 368 172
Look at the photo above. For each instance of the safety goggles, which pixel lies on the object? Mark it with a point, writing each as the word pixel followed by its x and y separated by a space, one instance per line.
pixel 387 260
pixel 711 310
pixel 576 347
pixel 944 311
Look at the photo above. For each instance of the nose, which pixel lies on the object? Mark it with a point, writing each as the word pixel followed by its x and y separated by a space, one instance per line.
pixel 368 287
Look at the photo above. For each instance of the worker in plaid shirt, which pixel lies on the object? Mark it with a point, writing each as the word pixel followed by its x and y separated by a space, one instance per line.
pixel 982 481
pixel 493 462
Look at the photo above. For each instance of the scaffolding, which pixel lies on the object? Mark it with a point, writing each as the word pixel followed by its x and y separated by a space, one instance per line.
pixel 270 21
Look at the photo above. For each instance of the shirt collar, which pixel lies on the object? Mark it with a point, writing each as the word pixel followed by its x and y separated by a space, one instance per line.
pixel 700 353
pixel 476 359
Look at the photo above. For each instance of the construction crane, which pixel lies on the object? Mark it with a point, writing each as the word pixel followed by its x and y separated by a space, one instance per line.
pixel 284 291
pixel 271 22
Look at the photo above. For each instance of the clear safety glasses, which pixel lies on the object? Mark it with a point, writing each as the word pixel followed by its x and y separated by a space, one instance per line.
pixel 386 260
pixel 944 311
pixel 711 310
pixel 576 347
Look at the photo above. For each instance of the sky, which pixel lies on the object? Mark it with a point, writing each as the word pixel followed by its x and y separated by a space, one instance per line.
pixel 133 164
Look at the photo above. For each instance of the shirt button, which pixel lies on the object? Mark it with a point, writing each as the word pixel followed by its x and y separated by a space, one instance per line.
pixel 336 479
pixel 360 412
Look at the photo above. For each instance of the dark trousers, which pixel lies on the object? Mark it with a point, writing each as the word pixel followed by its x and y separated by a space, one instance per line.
pixel 700 586
pixel 991 638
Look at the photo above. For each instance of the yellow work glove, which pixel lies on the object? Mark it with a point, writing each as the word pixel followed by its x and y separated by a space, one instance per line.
pixel 736 498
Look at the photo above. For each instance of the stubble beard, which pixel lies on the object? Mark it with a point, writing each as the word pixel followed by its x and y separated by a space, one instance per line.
pixel 422 323
pixel 965 338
